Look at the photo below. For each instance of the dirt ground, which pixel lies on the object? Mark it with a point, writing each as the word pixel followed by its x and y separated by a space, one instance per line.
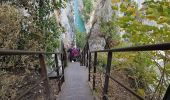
pixel 115 91
pixel 13 85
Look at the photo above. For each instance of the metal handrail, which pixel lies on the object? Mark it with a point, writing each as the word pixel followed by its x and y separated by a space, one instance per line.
pixel 86 51
pixel 113 79
pixel 22 52
pixel 34 86
pixel 44 76
pixel 162 46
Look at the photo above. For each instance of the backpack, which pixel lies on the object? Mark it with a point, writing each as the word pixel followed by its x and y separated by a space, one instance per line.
pixel 75 52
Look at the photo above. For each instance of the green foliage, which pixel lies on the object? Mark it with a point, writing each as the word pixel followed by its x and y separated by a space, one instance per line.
pixel 109 29
pixel 142 67
pixel 110 32
pixel 59 4
pixel 114 7
pixel 87 5
pixel 25 25
pixel 38 31
pixel 80 39
pixel 52 36
pixel 102 59
pixel 140 33
pixel 87 9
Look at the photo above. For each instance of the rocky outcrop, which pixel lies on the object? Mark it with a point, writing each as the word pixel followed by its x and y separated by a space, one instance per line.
pixel 102 11
pixel 68 17
pixel 65 18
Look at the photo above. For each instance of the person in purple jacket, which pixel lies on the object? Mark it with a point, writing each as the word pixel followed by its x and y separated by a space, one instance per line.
pixel 73 53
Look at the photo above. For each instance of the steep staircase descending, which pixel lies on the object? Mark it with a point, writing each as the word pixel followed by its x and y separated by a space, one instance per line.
pixel 76 85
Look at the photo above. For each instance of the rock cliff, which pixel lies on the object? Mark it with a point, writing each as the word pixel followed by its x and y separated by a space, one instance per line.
pixel 102 11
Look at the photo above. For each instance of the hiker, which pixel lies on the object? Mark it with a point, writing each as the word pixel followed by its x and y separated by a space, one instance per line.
pixel 74 53
pixel 70 56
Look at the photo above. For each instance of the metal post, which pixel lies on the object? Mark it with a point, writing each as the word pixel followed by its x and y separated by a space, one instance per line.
pixel 94 71
pixel 57 70
pixel 84 57
pixel 167 94
pixel 59 86
pixel 62 65
pixel 89 64
pixel 106 82
pixel 87 58
pixel 81 59
pixel 44 75
pixel 56 62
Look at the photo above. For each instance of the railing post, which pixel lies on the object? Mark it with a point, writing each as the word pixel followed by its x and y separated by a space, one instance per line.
pixel 84 56
pixel 94 70
pixel 44 75
pixel 57 70
pixel 167 94
pixel 106 82
pixel 56 62
pixel 89 64
pixel 87 57
pixel 82 60
pixel 62 65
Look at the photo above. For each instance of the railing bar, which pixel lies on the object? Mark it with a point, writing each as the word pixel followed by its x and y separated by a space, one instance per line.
pixel 41 58
pixel 163 46
pixel 89 65
pixel 94 70
pixel 56 77
pixel 22 52
pixel 138 96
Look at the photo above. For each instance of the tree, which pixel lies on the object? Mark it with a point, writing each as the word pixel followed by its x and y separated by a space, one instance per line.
pixel 144 68
pixel 87 9
pixel 80 39
pixel 25 25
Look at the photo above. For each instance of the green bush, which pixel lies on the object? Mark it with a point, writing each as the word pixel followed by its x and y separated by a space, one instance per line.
pixel 87 9
pixel 80 39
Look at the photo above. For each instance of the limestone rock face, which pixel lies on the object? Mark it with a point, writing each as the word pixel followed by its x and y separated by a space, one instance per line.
pixel 102 11
pixel 65 18
pixel 97 44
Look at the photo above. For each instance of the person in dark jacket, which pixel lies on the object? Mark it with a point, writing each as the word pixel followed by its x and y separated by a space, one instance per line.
pixel 70 56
